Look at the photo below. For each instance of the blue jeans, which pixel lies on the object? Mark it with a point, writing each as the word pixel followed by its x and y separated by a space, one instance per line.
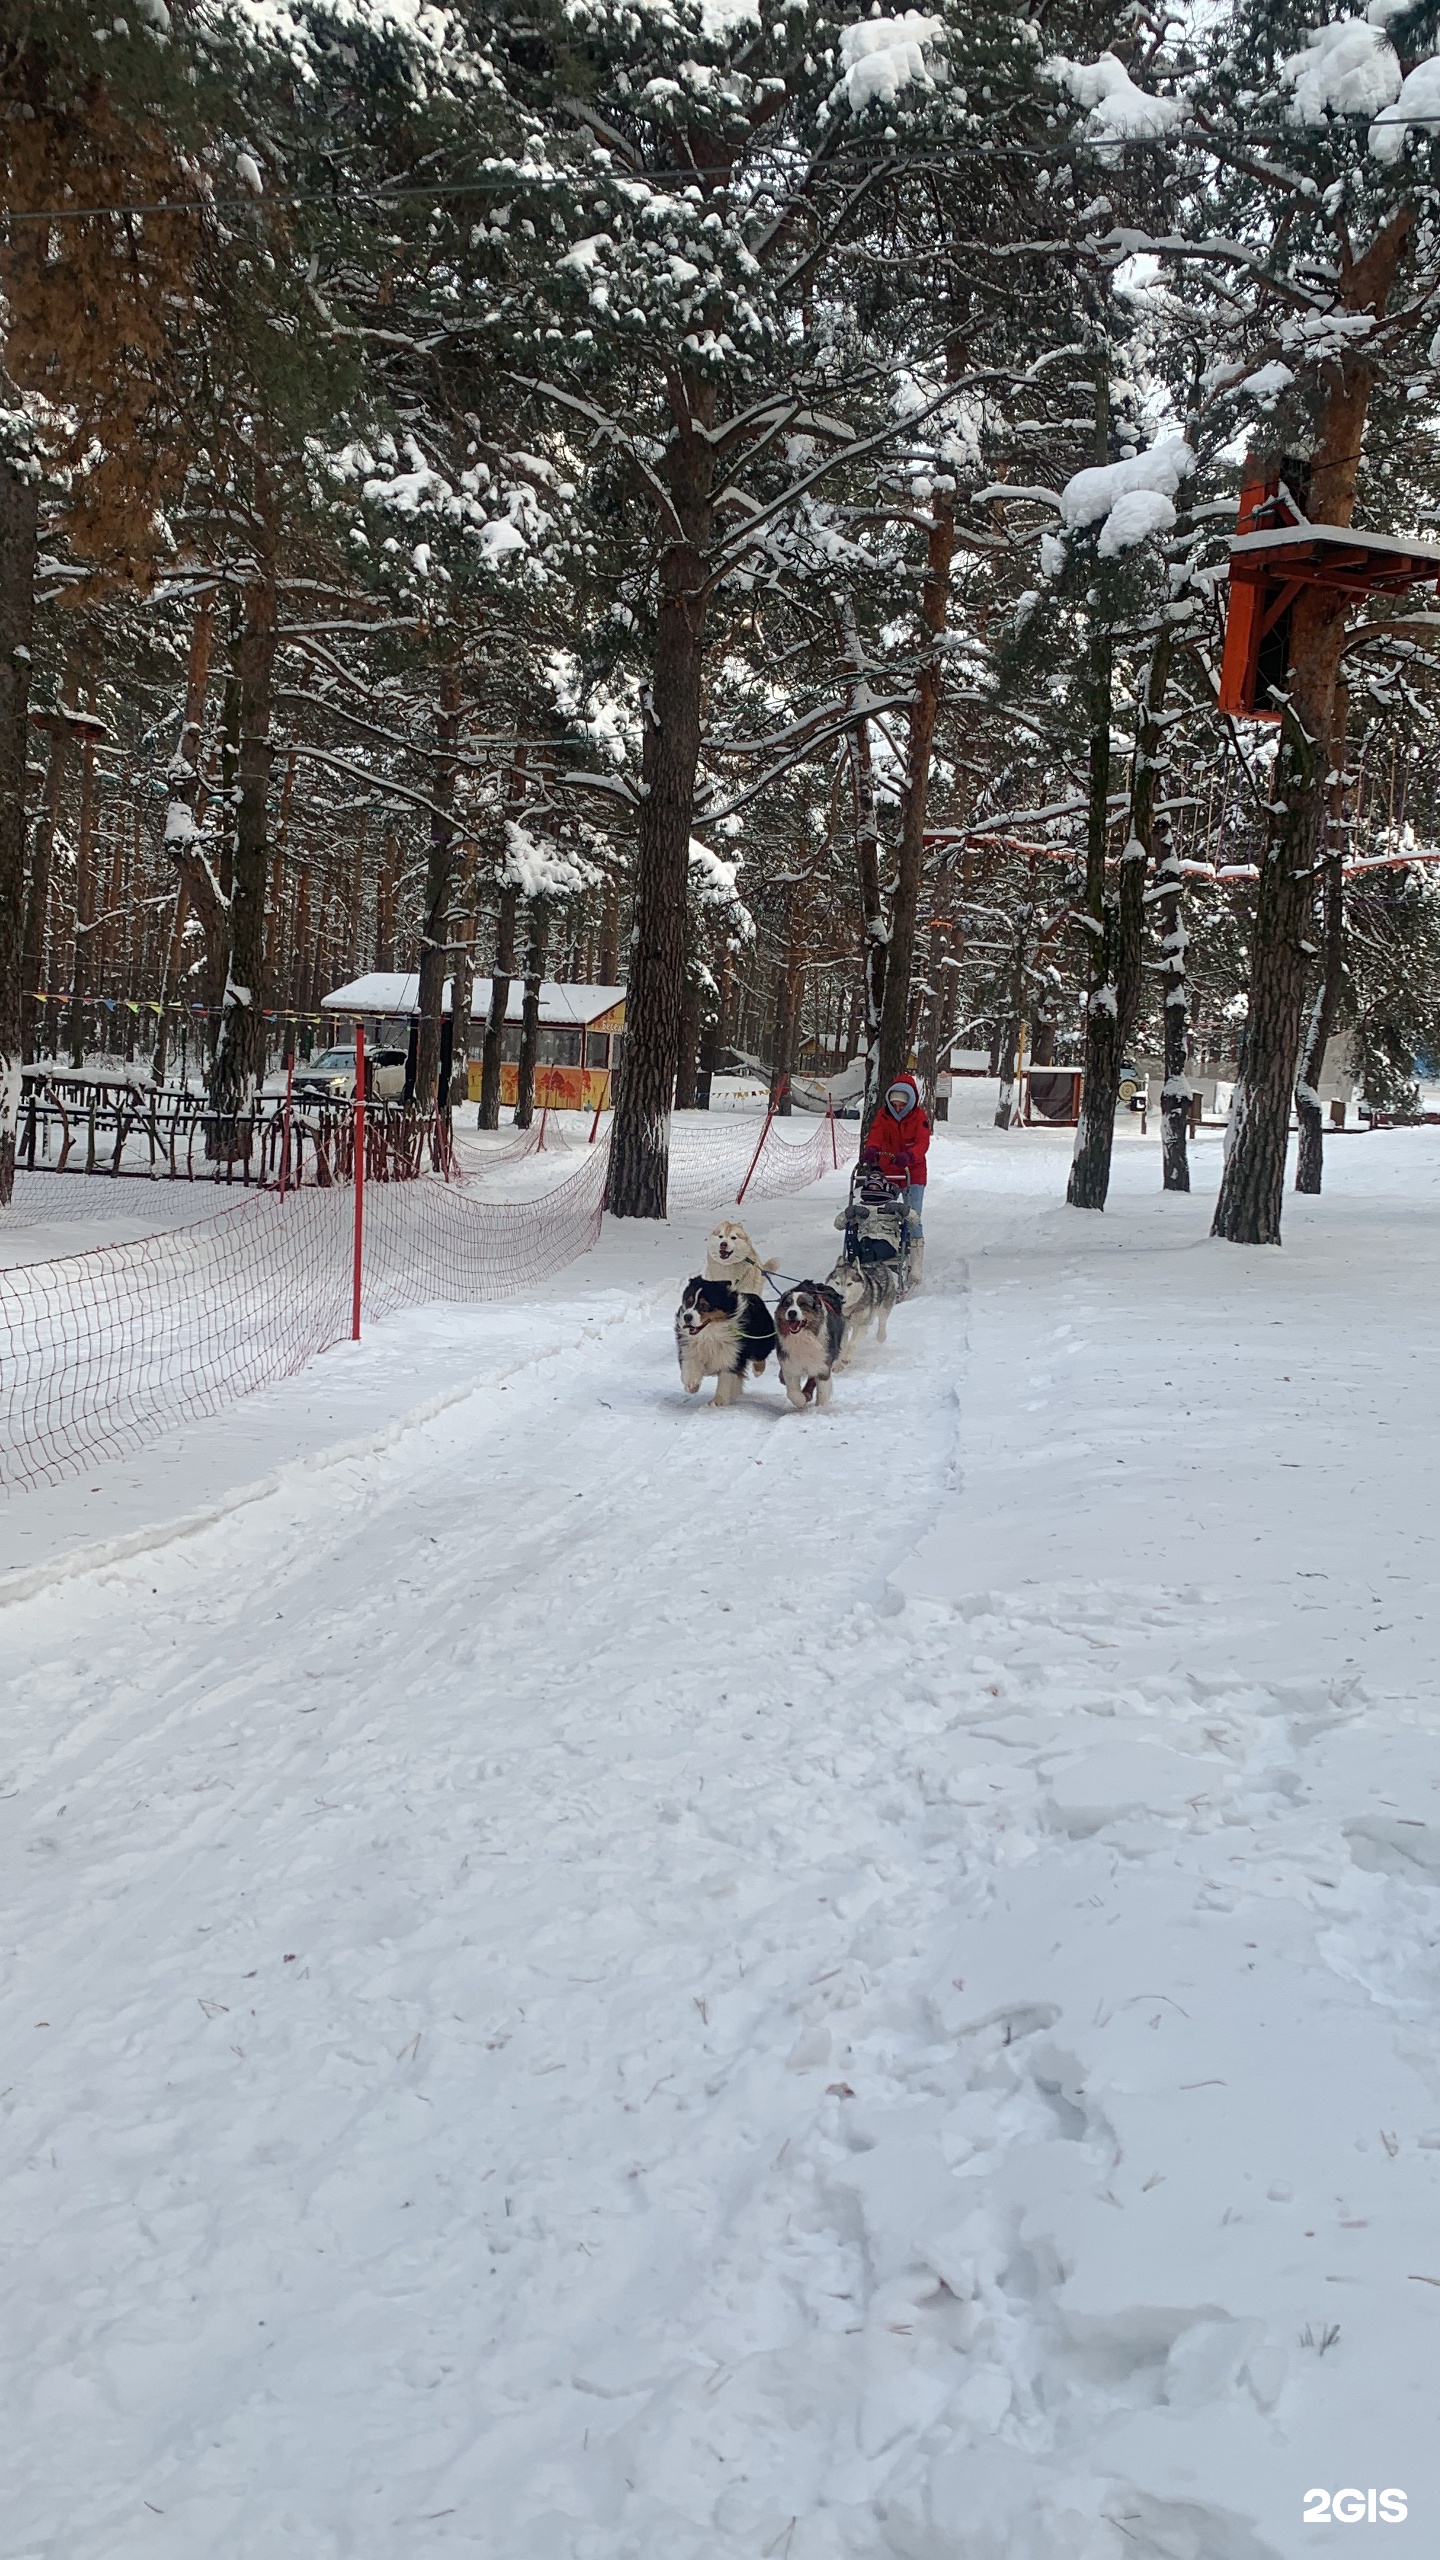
pixel 915 1205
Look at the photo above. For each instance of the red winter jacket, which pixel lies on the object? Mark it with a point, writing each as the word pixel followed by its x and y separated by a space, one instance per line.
pixel 900 1146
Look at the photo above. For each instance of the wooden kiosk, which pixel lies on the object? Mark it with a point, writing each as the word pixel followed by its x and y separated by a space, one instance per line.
pixel 1276 551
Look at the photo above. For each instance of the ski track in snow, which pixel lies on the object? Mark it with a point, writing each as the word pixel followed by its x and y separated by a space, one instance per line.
pixel 553 2011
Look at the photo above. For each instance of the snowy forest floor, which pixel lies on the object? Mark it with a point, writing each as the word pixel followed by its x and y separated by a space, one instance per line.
pixel 944 2066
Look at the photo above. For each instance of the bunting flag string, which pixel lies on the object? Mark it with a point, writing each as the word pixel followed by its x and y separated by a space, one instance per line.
pixel 175 1004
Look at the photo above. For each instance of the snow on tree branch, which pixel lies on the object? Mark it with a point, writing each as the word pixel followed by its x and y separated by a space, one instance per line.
pixel 540 868
pixel 1118 111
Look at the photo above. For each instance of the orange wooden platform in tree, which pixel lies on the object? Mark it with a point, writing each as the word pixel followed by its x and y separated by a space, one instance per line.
pixel 1275 553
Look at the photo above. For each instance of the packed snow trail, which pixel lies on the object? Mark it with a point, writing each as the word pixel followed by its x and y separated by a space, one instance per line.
pixel 555 2013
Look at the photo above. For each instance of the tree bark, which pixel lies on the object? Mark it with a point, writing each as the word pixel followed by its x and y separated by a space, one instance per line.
pixel 81 970
pixel 1310 1155
pixel 924 714
pixel 1252 1186
pixel 238 1065
pixel 712 1037
pixel 640 1140
pixel 1090 1168
pixel 462 987
pixel 1005 1047
pixel 1151 831
pixel 439 880
pixel 19 547
pixel 530 1012
pixel 42 849
pixel 688 1070
pixel 609 960
pixel 196 886
pixel 500 976
pixel 874 928
pixel 386 893
pixel 169 978
pixel 783 1022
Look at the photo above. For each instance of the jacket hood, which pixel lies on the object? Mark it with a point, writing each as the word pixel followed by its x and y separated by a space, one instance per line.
pixel 911 1087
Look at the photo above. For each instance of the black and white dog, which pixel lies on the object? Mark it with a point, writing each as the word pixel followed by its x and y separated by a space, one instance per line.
pixel 809 1329
pixel 721 1332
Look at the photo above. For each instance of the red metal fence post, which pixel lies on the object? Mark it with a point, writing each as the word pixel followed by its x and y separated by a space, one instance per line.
pixel 760 1150
pixel 359 1181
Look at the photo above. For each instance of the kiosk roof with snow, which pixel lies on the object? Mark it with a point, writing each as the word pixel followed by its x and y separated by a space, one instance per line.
pixel 394 995
pixel 1277 551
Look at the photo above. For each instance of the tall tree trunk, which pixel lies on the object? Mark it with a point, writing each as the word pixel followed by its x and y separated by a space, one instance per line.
pixel 385 898
pixel 924 714
pixel 610 931
pixel 298 964
pixel 782 1035
pixel 939 1012
pixel 493 1051
pixel 439 877
pixel 874 925
pixel 530 1012
pixel 1310 1158
pixel 504 970
pixel 1150 831
pixel 712 1037
pixel 687 1071
pixel 640 1133
pixel 82 972
pixel 19 547
pixel 196 889
pixel 169 976
pixel 1005 1047
pixel 238 1066
pixel 1090 1169
pixel 1175 1092
pixel 462 988
pixel 42 851
pixel 1252 1186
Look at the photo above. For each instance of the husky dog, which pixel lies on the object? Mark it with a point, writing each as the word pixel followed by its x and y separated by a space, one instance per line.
pixel 730 1255
pixel 720 1332
pixel 867 1291
pixel 809 1329
pixel 870 1274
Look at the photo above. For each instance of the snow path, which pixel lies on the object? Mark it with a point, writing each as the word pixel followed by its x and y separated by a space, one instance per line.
pixel 599 2006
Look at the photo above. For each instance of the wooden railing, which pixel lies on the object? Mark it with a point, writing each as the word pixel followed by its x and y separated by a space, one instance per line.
pixel 72 1124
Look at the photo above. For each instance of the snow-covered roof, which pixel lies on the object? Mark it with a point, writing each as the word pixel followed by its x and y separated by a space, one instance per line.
pixel 1343 536
pixel 390 992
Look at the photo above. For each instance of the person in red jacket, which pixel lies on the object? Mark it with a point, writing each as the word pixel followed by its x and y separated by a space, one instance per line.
pixel 898 1142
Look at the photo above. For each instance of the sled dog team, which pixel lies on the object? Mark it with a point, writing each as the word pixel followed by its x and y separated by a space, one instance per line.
pixel 724 1326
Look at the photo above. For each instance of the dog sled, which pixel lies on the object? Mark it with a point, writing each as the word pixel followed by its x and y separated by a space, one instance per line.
pixel 876 1224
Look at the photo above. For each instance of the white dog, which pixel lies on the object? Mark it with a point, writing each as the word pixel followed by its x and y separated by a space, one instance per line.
pixel 730 1255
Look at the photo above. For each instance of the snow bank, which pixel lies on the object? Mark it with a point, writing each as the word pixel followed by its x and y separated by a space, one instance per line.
pixel 944 2064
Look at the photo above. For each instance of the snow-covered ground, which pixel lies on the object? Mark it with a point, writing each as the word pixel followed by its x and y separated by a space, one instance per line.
pixel 587 1979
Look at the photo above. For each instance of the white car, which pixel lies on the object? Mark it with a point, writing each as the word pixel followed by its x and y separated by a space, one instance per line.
pixel 331 1076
